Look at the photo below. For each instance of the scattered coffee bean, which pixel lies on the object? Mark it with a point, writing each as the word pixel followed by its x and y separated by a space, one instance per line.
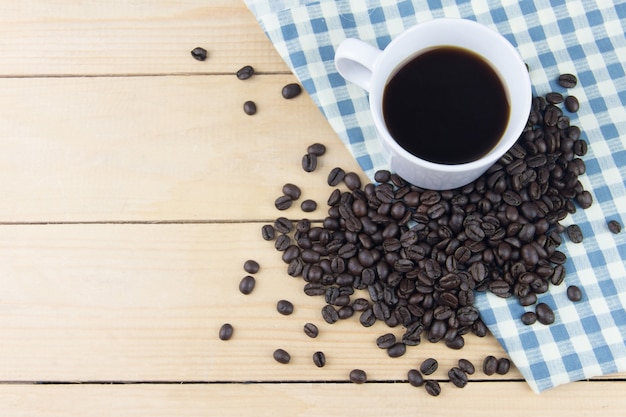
pixel 251 266
pixel 319 359
pixel 226 331
pixel 490 365
pixel 503 366
pixel 335 176
pixel 245 72
pixel 467 366
pixel 574 233
pixel 311 330
pixel 283 225
pixel 386 341
pixel 415 378
pixel 432 387
pixel 358 376
pixel 199 54
pixel 397 350
pixel 292 191
pixel 554 98
pixel 429 366
pixel 614 226
pixel 246 285
pixel 284 307
pixel 571 104
pixel 291 90
pixel 574 293
pixel 308 206
pixel 352 181
pixel 267 232
pixel 529 318
pixel 283 202
pixel 282 356
pixel 329 314
pixel 567 80
pixel 249 107
pixel 309 162
pixel 544 313
pixel 317 149
pixel 457 377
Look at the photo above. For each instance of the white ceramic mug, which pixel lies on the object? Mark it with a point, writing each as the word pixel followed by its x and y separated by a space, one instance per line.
pixel 371 69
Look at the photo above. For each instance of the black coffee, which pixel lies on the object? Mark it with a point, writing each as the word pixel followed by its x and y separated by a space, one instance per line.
pixel 447 106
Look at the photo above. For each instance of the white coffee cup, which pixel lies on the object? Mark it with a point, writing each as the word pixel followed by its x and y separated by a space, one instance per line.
pixel 371 69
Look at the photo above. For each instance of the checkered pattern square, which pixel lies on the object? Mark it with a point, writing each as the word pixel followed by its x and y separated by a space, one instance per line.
pixel 582 37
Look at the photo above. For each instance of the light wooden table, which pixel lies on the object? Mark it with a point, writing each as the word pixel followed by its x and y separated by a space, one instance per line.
pixel 133 187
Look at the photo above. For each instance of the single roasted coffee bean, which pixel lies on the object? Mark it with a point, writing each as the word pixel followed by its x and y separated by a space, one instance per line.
pixel 317 149
pixel 584 199
pixel 267 232
pixel 311 330
pixel 415 378
pixel 199 53
pixel 309 162
pixel 567 80
pixel 245 72
pixel 283 202
pixel 571 104
pixel 319 359
pixel 249 107
pixel 282 356
pixel 282 243
pixel 614 226
pixel 358 376
pixel 226 331
pixel 291 90
pixel 246 285
pixel 457 377
pixel 308 206
pixel 352 181
pixel 329 314
pixel 429 366
pixel 284 307
pixel 432 387
pixel 283 225
pixel 490 364
pixel 386 341
pixel 574 293
pixel 397 350
pixel 504 364
pixel 544 313
pixel 467 366
pixel 554 98
pixel 292 190
pixel 574 233
pixel 529 318
pixel 335 176
pixel 251 266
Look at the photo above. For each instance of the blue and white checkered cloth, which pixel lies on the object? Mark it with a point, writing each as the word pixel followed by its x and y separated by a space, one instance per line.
pixel 582 37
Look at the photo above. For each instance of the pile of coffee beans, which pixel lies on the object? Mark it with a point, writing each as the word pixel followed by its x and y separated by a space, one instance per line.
pixel 414 258
pixel 422 254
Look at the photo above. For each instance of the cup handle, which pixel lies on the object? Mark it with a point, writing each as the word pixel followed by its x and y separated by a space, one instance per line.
pixel 355 60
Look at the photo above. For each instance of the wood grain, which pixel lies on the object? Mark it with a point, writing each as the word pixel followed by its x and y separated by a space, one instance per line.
pixel 118 37
pixel 133 189
pixel 156 148
pixel 310 399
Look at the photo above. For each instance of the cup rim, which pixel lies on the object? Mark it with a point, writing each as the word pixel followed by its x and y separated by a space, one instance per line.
pixel 515 125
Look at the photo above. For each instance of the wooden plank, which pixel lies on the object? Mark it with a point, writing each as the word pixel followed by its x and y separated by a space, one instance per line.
pixel 157 148
pixel 65 37
pixel 340 400
pixel 144 302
